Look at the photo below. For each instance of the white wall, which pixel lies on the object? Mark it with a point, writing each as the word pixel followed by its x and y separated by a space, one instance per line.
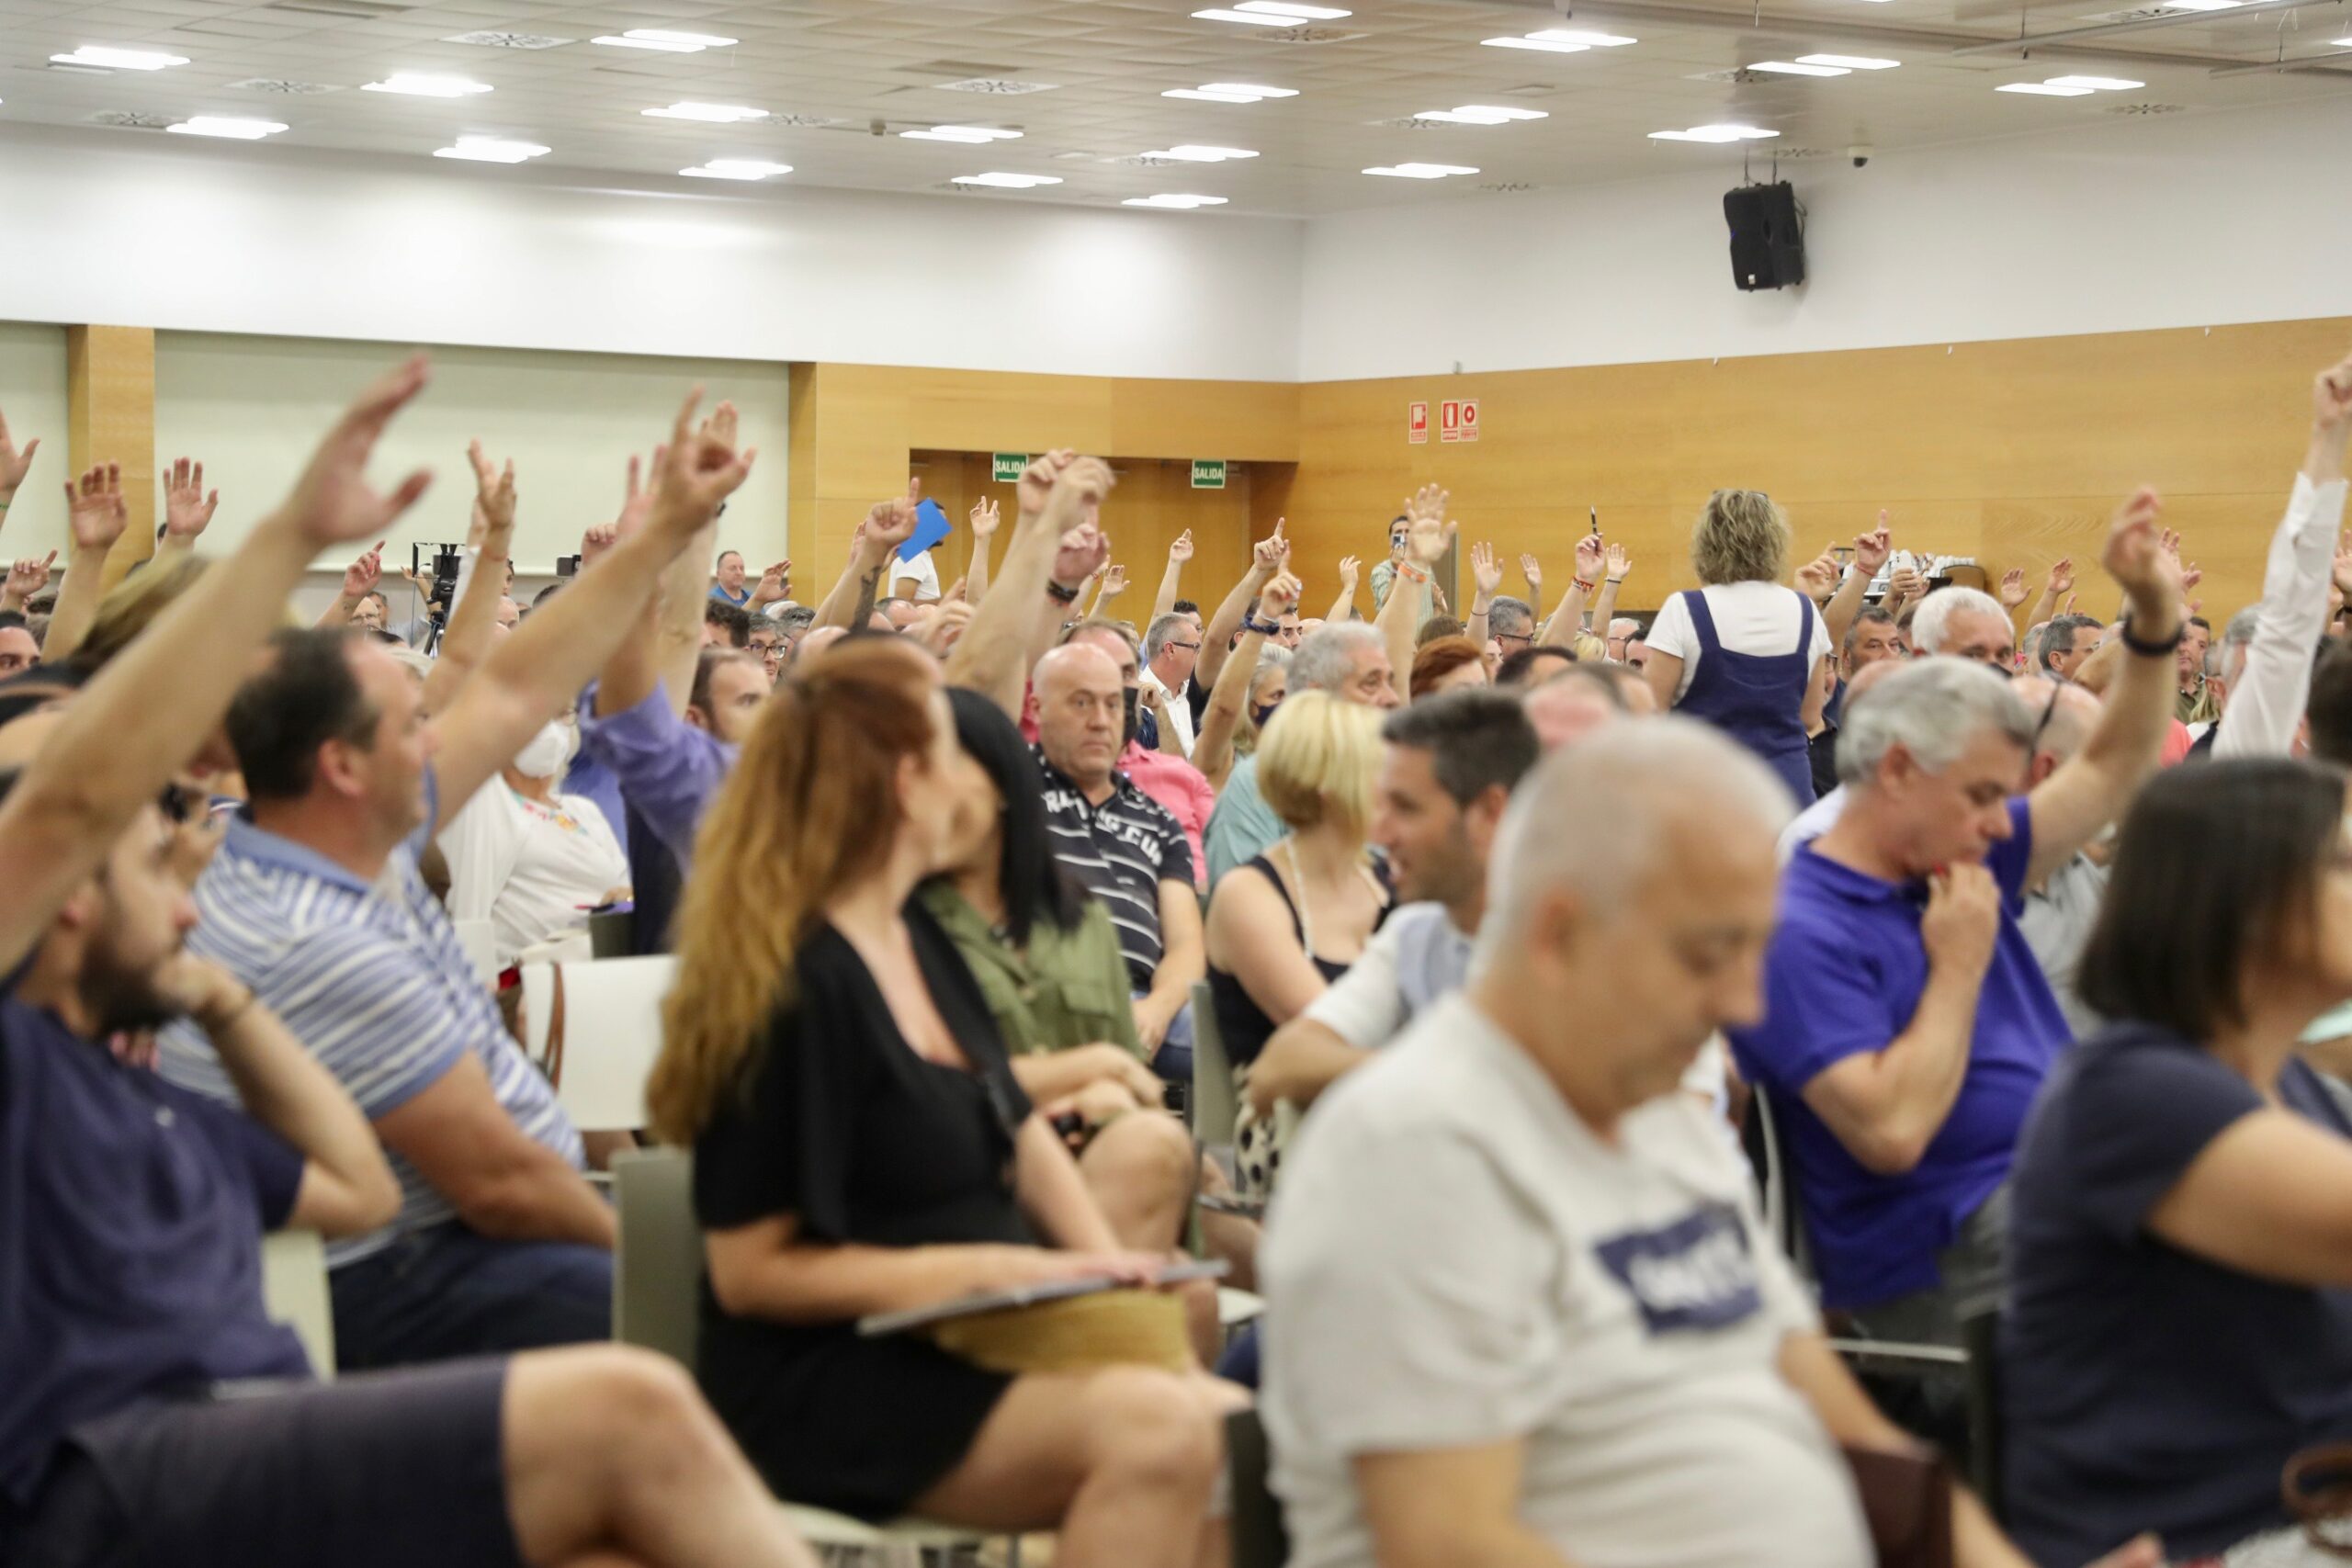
pixel 2129 224
pixel 136 227
pixel 32 395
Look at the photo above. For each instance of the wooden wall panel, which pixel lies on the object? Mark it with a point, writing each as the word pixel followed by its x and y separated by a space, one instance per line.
pixel 110 418
pixel 2012 452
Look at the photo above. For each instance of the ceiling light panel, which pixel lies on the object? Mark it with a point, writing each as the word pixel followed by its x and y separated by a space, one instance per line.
pixel 226 126
pixel 1175 202
pixel 491 150
pixel 1294 12
pixel 415 85
pixel 710 114
pixel 2043 90
pixel 1714 133
pixel 104 57
pixel 1797 68
pixel 1420 171
pixel 1480 114
pixel 736 169
pixel 1849 62
pixel 969 135
pixel 1190 153
pixel 2096 84
pixel 999 181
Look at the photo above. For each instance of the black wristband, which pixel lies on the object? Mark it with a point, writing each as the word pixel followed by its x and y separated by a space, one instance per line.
pixel 2153 649
pixel 1059 594
pixel 1251 622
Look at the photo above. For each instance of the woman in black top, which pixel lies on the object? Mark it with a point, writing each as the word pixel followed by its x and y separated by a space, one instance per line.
pixel 861 1146
pixel 2179 1316
pixel 1281 927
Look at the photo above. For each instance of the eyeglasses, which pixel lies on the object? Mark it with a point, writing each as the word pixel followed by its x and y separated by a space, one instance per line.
pixel 1527 637
pixel 1187 647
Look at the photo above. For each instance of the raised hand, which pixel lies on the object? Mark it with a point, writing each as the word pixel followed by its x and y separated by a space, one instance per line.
pixel 494 498
pixel 1485 570
pixel 187 510
pixel 1905 586
pixel 891 522
pixel 701 469
pixel 362 575
pixel 332 503
pixel 1279 597
pixel 983 519
pixel 598 538
pixel 2331 409
pixel 1267 556
pixel 1532 569
pixel 2191 576
pixel 1114 584
pixel 775 583
pixel 1817 579
pixel 2012 590
pixel 28 577
pixel 939 626
pixel 1037 479
pixel 1083 551
pixel 14 461
pixel 1349 569
pixel 1621 565
pixel 636 500
pixel 1428 531
pixel 97 511
pixel 2144 561
pixel 1871 549
pixel 2343 563
pixel 1180 549
pixel 1591 555
pixel 2061 577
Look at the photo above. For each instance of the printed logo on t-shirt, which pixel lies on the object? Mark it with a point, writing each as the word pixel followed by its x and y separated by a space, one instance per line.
pixel 1695 1273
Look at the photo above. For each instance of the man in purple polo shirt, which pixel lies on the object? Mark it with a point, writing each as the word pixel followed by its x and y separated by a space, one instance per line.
pixel 1906 1026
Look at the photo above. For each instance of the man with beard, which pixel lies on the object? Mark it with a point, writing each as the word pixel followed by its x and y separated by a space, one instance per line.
pixel 1452 763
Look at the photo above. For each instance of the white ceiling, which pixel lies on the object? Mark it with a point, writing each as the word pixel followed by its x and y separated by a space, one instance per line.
pixel 856 67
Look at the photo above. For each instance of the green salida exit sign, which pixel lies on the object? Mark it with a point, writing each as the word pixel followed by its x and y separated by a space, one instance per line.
pixel 1010 467
pixel 1208 473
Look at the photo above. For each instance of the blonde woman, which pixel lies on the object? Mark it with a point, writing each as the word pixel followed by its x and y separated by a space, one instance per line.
pixel 1281 927
pixel 1744 651
pixel 862 1146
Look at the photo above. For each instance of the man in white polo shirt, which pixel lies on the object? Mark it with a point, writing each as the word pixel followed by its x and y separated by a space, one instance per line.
pixel 1524 1311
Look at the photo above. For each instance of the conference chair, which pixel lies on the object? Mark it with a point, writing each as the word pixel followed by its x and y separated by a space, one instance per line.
pixel 594 1028
pixel 657 1276
pixel 1260 1540
pixel 1213 1105
pixel 294 1293
pixel 1981 1332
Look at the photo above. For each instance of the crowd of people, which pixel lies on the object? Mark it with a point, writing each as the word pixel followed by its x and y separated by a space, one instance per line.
pixel 2020 939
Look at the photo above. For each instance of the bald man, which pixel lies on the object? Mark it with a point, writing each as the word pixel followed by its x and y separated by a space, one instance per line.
pixel 1510 1219
pixel 1121 845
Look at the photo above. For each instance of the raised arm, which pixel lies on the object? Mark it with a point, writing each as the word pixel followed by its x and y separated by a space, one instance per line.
pixel 887 527
pixel 1871 551
pixel 26 578
pixel 2011 594
pixel 1267 559
pixel 97 516
pixel 187 510
pixel 1115 582
pixel 143 715
pixel 1053 549
pixel 1616 567
pixel 473 619
pixel 1172 579
pixel 983 524
pixel 1221 718
pixel 2269 699
pixel 357 577
pixel 16 462
pixel 2054 588
pixel 544 662
pixel 1486 581
pixel 1344 608
pixel 1561 630
pixel 2091 788
pixel 1428 535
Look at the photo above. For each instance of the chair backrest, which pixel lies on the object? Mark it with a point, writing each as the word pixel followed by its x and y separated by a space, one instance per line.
pixel 1783 1215
pixel 1258 1538
pixel 294 1293
pixel 1215 1106
pixel 1979 1332
pixel 595 1028
pixel 656 1266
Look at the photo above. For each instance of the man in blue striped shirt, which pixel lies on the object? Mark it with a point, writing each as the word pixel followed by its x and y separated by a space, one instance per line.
pixel 315 901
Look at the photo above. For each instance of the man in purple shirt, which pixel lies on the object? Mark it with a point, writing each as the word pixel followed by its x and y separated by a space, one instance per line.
pixel 1906 1024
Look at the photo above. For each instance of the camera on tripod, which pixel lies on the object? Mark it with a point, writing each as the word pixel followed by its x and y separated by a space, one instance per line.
pixel 442 591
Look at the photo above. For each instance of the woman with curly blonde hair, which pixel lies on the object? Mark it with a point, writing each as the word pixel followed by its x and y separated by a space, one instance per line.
pixel 1742 651
pixel 862 1146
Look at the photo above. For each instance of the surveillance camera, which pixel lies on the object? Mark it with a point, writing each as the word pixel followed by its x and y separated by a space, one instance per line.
pixel 1861 155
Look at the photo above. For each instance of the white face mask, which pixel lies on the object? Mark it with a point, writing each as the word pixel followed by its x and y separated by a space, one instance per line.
pixel 548 750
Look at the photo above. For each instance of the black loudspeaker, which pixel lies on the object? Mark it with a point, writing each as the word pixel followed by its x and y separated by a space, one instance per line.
pixel 1767 236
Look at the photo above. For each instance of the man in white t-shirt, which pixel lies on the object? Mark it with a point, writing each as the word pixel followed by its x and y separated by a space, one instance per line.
pixel 917 579
pixel 1523 1310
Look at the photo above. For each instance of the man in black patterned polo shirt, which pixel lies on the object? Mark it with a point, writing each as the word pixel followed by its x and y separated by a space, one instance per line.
pixel 1122 845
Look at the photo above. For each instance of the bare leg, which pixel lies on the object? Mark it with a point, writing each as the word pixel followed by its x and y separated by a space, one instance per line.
pixel 1123 1459
pixel 1140 1170
pixel 613 1458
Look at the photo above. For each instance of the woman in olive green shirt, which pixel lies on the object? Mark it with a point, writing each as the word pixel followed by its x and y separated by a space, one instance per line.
pixel 1047 961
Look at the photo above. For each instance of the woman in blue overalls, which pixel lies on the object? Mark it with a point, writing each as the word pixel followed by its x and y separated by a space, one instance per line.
pixel 1741 652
